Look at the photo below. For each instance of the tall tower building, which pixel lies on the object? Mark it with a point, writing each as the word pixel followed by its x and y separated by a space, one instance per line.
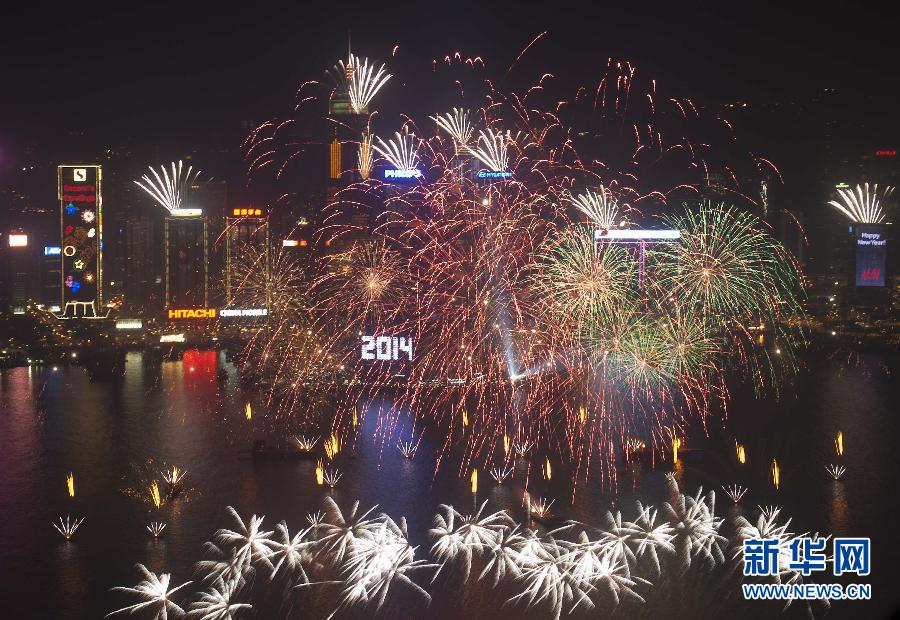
pixel 246 249
pixel 81 233
pixel 186 255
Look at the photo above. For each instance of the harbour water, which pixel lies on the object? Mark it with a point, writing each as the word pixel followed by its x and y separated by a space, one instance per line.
pixel 53 422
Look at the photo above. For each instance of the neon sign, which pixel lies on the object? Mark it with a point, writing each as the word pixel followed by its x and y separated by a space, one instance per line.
pixel 52 250
pixel 886 153
pixel 18 240
pixel 386 347
pixel 871 255
pixel 246 212
pixel 230 312
pixel 185 212
pixel 402 175
pixel 493 174
pixel 129 324
pixel 172 338
pixel 637 235
pixel 192 313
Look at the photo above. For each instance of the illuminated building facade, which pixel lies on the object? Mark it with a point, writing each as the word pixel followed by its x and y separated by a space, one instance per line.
pixel 186 255
pixel 246 248
pixel 16 271
pixel 79 189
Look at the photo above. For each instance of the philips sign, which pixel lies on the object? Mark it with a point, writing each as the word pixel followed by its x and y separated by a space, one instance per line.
pixel 493 174
pixel 393 174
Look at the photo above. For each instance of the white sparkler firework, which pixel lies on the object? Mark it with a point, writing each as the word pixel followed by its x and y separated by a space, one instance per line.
pixel 493 149
pixel 408 448
pixel 304 443
pixel 68 527
pixel 156 528
pixel 458 125
pixel 864 205
pixel 499 474
pixel 735 492
pixel 332 476
pixel 360 80
pixel 400 152
pixel 169 191
pixel 835 471
pixel 365 155
pixel 599 206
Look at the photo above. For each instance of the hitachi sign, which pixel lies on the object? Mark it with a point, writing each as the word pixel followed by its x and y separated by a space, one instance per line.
pixel 192 313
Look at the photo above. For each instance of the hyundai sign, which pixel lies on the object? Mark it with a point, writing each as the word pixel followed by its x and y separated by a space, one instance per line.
pixel 493 174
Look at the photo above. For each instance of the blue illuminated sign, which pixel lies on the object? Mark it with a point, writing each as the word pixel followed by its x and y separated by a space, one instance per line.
pixel 493 174
pixel 393 174
pixel 52 250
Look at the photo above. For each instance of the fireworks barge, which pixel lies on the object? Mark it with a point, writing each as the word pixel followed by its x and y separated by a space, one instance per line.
pixel 262 451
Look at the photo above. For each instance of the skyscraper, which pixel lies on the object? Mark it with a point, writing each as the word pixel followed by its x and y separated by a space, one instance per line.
pixel 81 232
pixel 246 249
pixel 186 252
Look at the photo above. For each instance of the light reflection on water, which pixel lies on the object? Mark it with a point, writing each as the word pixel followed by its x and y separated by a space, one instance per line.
pixel 54 422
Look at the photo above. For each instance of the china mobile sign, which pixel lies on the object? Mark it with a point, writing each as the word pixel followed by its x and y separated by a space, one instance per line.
pixel 386 348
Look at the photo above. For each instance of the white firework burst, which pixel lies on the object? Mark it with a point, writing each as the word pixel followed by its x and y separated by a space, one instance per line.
pixel 215 603
pixel 253 546
pixel 864 205
pixel 361 81
pixel 456 537
pixel 291 552
pixel 597 565
pixel 458 125
pixel 695 526
pixel 341 535
pixel 156 528
pixel 169 190
pixel 385 559
pixel 650 537
pixel 599 206
pixel 154 594
pixel 401 151
pixel 492 149
pixel 549 578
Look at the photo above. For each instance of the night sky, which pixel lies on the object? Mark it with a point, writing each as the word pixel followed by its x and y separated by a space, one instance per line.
pixel 174 70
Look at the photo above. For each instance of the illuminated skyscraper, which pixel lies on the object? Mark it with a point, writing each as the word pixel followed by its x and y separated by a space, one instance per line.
pixel 186 241
pixel 81 234
pixel 246 249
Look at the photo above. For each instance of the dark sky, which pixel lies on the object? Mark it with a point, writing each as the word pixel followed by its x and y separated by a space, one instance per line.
pixel 180 68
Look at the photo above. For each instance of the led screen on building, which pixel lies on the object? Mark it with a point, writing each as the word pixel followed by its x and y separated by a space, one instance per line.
pixel 871 254
pixel 81 231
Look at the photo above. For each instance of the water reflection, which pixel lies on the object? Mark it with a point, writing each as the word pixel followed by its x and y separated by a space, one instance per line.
pixel 51 423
